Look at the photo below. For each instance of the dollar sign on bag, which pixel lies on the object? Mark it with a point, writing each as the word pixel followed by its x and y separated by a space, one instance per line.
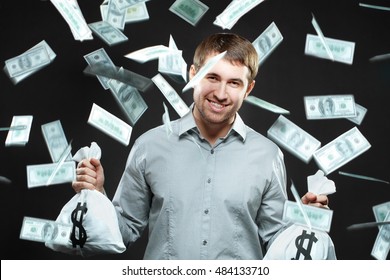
pixel 78 235
pixel 299 241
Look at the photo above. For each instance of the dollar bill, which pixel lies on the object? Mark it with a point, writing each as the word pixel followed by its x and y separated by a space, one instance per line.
pixel 167 120
pixel 343 51
pixel 293 138
pixel 71 13
pixel 171 95
pixel 360 114
pixel 121 74
pixel 190 10
pixel 234 11
pixel 29 61
pixel 174 66
pixel 381 210
pixel 38 175
pixel 135 13
pixel 320 219
pixel 42 230
pixel 108 33
pixel 149 53
pixel 100 56
pixel 19 137
pixel 129 100
pixel 267 42
pixel 115 16
pixel 341 150
pixel 322 38
pixel 265 105
pixel 55 139
pixel 329 106
pixel 381 246
pixel 110 124
pixel 20 77
pixel 124 4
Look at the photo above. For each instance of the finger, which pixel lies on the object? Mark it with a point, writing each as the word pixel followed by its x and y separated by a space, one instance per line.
pixel 86 171
pixel 78 186
pixel 85 163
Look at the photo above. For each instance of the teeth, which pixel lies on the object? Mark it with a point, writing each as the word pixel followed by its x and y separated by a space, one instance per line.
pixel 216 104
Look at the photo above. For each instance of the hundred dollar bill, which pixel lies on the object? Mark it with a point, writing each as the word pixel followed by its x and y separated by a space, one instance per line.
pixel 171 95
pixel 320 219
pixel 108 33
pixel 19 137
pixel 121 74
pixel 360 114
pixel 234 11
pixel 329 106
pixel 167 120
pixel 115 16
pixel 20 77
pixel 55 139
pixel 129 99
pixel 381 246
pixel 173 63
pixel 343 51
pixel 72 15
pixel 42 230
pixel 29 61
pixel 265 105
pixel 124 4
pixel 110 124
pixel 202 72
pixel 190 10
pixel 293 138
pixel 267 42
pixel 341 150
pixel 381 210
pixel 100 57
pixel 38 175
pixel 135 13
pixel 148 53
pixel 322 38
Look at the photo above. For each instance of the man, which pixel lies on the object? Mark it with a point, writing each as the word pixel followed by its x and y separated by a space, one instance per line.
pixel 214 189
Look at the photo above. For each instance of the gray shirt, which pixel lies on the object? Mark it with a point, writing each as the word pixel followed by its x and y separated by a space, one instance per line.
pixel 199 201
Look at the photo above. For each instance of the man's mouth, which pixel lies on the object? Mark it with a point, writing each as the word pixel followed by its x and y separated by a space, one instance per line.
pixel 216 106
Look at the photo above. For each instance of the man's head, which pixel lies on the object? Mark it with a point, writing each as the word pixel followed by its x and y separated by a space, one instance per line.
pixel 219 95
pixel 239 51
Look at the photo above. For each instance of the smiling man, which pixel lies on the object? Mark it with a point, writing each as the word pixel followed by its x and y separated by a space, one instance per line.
pixel 214 189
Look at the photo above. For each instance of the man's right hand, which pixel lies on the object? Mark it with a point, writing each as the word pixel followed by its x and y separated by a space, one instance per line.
pixel 89 175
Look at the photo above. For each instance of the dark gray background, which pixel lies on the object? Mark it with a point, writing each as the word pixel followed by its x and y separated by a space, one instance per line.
pixel 61 91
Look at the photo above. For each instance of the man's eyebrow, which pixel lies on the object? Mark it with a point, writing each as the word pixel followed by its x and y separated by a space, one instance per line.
pixel 232 79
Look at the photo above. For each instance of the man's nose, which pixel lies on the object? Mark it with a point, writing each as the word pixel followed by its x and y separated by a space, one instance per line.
pixel 220 91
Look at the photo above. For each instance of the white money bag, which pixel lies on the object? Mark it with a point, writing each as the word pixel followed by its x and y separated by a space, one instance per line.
pixel 298 242
pixel 93 216
pixel 95 225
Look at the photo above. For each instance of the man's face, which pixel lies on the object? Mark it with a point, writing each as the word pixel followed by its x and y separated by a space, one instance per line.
pixel 220 94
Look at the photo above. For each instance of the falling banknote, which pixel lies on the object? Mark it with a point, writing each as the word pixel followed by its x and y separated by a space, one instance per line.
pixel 329 106
pixel 42 230
pixel 19 137
pixel 341 150
pixel 293 138
pixel 190 10
pixel 342 51
pixel 267 42
pixel 39 175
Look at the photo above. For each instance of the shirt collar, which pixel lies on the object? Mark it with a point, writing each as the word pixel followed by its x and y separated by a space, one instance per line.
pixel 187 122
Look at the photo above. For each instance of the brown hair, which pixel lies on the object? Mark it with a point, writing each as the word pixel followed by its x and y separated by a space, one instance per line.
pixel 239 50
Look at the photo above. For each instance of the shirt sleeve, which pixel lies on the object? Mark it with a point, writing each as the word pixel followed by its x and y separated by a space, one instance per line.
pixel 269 218
pixel 133 197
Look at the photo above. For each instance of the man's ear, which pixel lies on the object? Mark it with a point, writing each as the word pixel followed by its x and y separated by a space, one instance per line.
pixel 249 88
pixel 192 71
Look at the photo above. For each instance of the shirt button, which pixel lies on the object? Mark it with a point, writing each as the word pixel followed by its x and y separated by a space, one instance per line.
pixel 212 151
pixel 208 180
pixel 204 242
pixel 206 211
